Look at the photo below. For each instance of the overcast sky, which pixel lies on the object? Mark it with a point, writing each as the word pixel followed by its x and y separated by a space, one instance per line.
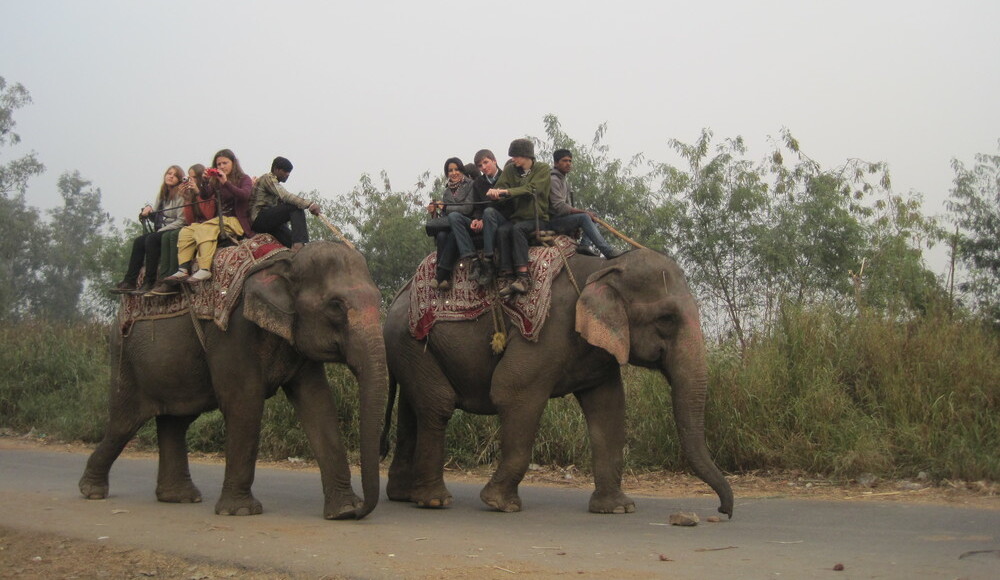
pixel 124 89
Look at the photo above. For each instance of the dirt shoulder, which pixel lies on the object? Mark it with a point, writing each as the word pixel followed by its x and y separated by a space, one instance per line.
pixel 26 554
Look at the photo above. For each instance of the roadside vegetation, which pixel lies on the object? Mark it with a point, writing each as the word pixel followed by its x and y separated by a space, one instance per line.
pixel 834 348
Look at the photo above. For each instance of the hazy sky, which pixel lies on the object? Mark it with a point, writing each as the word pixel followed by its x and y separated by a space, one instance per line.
pixel 124 89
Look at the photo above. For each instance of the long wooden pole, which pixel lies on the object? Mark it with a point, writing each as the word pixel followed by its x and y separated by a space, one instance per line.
pixel 335 231
pixel 619 234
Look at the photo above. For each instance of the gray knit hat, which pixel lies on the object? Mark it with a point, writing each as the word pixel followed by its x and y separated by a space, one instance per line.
pixel 521 148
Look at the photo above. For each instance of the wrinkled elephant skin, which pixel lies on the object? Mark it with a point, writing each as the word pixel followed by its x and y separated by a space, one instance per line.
pixel 636 309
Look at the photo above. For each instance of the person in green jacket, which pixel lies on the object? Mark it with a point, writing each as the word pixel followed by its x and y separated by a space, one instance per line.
pixel 525 185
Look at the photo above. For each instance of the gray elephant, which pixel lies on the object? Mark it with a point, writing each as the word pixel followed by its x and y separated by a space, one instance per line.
pixel 633 309
pixel 298 311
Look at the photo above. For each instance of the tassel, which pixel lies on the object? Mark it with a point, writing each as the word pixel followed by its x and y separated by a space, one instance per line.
pixel 499 342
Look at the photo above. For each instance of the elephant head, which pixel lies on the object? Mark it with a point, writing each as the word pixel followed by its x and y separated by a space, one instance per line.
pixel 640 310
pixel 322 300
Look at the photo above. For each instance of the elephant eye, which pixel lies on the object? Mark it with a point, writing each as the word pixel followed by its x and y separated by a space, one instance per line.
pixel 336 307
pixel 666 325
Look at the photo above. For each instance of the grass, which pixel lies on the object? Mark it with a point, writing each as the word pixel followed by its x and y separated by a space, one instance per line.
pixel 824 393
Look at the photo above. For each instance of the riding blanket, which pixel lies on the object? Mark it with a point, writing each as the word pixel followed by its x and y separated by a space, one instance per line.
pixel 467 300
pixel 213 299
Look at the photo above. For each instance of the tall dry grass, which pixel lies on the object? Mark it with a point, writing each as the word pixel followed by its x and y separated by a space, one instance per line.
pixel 824 393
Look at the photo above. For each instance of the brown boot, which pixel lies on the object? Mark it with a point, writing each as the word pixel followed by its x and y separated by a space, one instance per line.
pixel 123 287
pixel 164 288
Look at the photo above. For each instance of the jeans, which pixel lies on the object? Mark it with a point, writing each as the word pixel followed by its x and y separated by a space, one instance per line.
pixel 515 238
pixel 492 220
pixel 569 222
pixel 274 220
pixel 462 234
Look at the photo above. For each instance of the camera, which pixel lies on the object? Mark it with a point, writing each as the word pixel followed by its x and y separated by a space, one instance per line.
pixel 185 180
pixel 212 172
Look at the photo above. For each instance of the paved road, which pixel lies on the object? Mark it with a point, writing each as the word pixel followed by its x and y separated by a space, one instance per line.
pixel 554 536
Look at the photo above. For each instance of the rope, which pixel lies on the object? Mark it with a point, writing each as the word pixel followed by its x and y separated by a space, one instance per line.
pixel 335 231
pixel 194 319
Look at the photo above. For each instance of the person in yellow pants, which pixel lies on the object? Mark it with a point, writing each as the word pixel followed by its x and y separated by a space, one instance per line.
pixel 227 180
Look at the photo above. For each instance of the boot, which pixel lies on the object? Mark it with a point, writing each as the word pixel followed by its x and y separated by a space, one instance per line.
pixel 164 288
pixel 486 273
pixel 147 286
pixel 123 287
pixel 441 280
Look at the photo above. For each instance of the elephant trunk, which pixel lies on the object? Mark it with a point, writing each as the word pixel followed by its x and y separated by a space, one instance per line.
pixel 367 361
pixel 686 369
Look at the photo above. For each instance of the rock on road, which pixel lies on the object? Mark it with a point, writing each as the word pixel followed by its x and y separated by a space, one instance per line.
pixel 553 537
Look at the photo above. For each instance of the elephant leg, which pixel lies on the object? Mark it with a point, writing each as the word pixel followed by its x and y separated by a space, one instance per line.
pixel 604 408
pixel 313 401
pixel 401 476
pixel 242 408
pixel 426 403
pixel 520 405
pixel 94 482
pixel 173 480
pixel 125 417
pixel 428 488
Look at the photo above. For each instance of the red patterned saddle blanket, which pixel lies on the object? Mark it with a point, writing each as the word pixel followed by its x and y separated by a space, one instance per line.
pixel 466 300
pixel 213 299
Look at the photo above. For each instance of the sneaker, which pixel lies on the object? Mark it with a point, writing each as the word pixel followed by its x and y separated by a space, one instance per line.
pixel 443 285
pixel 123 287
pixel 521 285
pixel 612 253
pixel 178 276
pixel 587 250
pixel 199 276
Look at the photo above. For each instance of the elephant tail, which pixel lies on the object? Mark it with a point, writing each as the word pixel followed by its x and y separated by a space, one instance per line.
pixel 383 444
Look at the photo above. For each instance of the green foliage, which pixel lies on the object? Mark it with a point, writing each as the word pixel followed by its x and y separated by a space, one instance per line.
pixel 975 208
pixel 54 379
pixel 753 235
pixel 75 240
pixel 22 235
pixel 719 208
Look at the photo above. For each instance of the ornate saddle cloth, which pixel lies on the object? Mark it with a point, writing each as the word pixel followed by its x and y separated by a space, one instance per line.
pixel 213 299
pixel 467 300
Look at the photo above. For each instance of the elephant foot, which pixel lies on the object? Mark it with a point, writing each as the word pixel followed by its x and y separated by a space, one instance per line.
pixel 238 506
pixel 181 493
pixel 398 489
pixel 437 502
pixel 436 496
pixel 342 506
pixel 611 503
pixel 94 487
pixel 493 496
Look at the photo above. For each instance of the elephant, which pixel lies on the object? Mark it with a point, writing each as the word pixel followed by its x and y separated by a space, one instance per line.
pixel 636 308
pixel 298 311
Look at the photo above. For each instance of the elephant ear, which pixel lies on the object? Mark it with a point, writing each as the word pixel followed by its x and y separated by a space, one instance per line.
pixel 600 314
pixel 268 301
